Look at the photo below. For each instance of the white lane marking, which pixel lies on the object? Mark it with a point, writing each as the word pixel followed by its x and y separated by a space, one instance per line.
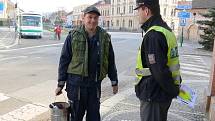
pixel 3 97
pixel 24 113
pixel 9 58
pixel 197 66
pixel 25 48
pixel 194 81
pixel 194 73
pixel 192 56
pixel 191 60
pixel 4 37
pixel 15 43
pixel 194 62
pixel 194 69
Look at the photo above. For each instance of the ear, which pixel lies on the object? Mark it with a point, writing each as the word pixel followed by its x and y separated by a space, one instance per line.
pixel 147 11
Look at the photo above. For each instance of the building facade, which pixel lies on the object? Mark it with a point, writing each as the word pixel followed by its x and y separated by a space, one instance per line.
pixel 191 30
pixel 69 18
pixel 123 17
pixel 170 14
pixel 7 12
pixel 104 19
pixel 120 14
pixel 77 15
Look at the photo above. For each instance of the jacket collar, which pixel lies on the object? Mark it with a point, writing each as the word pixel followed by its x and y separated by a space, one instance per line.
pixel 81 29
pixel 153 20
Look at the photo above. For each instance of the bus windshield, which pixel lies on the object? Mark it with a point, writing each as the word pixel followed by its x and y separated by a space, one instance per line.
pixel 31 21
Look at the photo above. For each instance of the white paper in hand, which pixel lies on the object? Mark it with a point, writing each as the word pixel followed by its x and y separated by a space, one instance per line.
pixel 187 96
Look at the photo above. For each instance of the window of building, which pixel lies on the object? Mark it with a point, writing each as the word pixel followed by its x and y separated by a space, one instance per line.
pixel 117 22
pixel 112 11
pixel 124 9
pixel 172 25
pixel 123 23
pixel 130 23
pixel 172 12
pixel 131 9
pixel 118 10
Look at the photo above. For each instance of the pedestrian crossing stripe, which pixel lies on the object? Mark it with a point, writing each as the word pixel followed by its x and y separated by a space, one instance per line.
pixel 25 113
pixel 3 97
pixel 191 56
pixel 192 65
pixel 193 60
pixel 194 73
pixel 194 69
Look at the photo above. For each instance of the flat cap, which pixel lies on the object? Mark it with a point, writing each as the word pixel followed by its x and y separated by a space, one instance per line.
pixel 91 9
pixel 140 3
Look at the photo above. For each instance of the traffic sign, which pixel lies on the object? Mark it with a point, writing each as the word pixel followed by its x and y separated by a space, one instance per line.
pixel 183 7
pixel 184 14
pixel 183 22
pixel 1 6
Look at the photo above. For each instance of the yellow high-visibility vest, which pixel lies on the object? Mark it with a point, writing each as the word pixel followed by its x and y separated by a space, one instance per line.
pixel 173 57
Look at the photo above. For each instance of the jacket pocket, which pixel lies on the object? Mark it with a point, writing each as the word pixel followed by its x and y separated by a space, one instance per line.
pixel 141 88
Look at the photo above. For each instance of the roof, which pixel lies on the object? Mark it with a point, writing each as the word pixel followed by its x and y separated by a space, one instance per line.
pixel 70 13
pixel 205 4
pixel 101 2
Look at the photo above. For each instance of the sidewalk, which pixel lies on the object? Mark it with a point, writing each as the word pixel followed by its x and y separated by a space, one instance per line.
pixel 125 106
pixel 193 48
pixel 128 108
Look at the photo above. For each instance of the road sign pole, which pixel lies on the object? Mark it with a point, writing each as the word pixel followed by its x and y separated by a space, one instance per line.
pixel 182 35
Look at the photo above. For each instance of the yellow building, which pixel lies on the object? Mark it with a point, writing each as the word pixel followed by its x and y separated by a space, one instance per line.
pixel 77 15
pixel 7 12
pixel 123 17
pixel 104 19
pixel 119 14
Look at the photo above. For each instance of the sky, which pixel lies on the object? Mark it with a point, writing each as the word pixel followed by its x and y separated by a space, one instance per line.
pixel 44 6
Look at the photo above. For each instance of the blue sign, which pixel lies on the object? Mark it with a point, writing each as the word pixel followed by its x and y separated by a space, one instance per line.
pixel 184 14
pixel 1 6
pixel 184 7
pixel 183 22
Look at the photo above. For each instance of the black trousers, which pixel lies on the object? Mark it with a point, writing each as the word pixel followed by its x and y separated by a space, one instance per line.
pixel 84 100
pixel 154 111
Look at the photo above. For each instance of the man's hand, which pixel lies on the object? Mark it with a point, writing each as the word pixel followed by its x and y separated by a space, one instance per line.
pixel 58 91
pixel 115 89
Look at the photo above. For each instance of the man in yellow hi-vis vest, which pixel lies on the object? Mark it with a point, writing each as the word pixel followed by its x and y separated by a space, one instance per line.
pixel 157 70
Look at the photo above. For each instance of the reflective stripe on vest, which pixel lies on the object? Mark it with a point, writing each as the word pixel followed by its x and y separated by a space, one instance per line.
pixel 173 59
